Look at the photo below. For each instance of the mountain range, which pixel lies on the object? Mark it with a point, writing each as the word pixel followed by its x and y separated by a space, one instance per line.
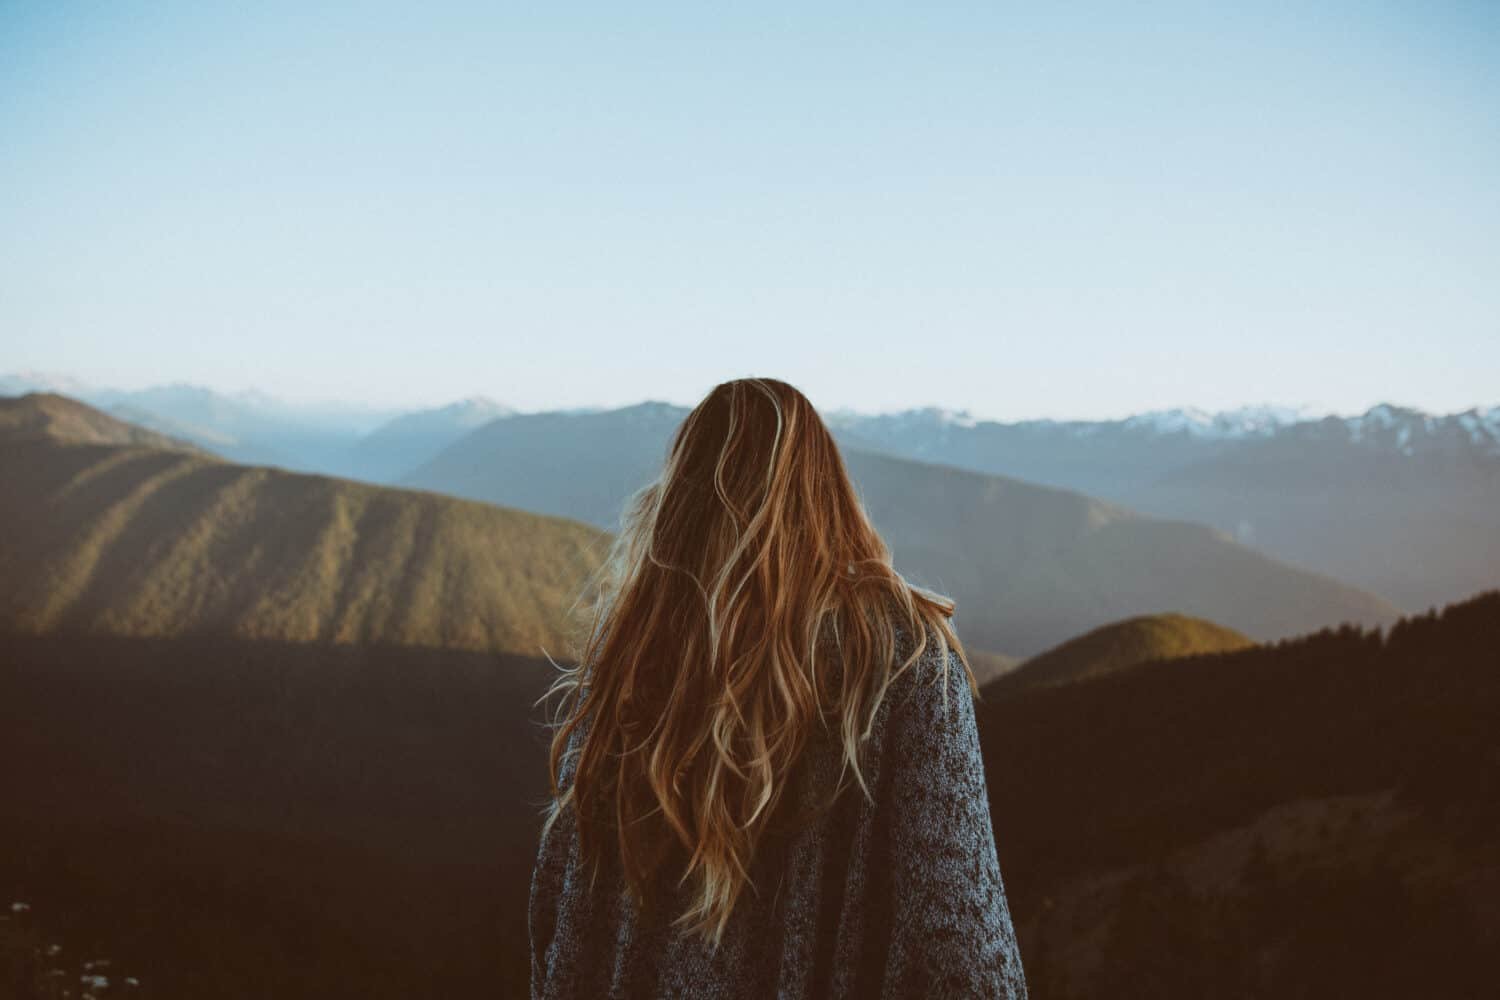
pixel 1399 502
pixel 1028 565
pixel 160 541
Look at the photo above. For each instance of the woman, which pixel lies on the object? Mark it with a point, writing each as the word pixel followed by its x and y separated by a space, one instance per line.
pixel 765 772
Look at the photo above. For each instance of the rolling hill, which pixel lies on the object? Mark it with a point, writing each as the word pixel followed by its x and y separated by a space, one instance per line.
pixel 1029 566
pixel 1125 644
pixel 108 528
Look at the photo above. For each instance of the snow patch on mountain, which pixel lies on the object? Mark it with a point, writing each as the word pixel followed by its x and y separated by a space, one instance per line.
pixel 1409 431
pixel 1243 422
pixel 926 417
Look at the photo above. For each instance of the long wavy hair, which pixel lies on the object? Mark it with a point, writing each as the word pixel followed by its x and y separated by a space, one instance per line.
pixel 745 601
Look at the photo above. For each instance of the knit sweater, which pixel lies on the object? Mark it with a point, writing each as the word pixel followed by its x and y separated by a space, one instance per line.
pixel 899 898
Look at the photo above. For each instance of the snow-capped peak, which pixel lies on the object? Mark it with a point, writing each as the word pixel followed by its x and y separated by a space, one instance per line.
pixel 954 418
pixel 1245 421
pixel 1406 430
pixel 925 416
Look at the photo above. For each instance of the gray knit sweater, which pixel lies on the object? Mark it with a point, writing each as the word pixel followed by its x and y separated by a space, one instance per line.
pixel 902 898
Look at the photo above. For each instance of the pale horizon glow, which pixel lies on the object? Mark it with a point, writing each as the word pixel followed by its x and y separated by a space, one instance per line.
pixel 1019 212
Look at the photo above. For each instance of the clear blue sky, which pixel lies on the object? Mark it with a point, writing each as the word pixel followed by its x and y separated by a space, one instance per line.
pixel 1030 210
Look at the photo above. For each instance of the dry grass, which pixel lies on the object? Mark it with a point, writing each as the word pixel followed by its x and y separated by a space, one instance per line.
pixel 138 540
pixel 1126 644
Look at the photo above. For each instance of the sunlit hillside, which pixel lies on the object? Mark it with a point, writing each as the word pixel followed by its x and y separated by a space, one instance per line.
pixel 1121 645
pixel 107 530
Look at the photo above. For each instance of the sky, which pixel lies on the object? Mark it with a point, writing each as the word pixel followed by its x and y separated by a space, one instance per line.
pixel 1043 210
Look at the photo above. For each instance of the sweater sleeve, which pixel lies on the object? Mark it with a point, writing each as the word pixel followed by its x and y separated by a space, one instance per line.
pixel 555 852
pixel 951 933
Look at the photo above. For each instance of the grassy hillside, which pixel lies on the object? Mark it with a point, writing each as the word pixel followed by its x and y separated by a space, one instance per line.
pixel 1124 644
pixel 1028 565
pixel 131 539
pixel 1310 818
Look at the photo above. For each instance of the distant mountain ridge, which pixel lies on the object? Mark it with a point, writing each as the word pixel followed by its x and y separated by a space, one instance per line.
pixel 1245 421
pixel 405 442
pixel 1403 429
pixel 1399 502
pixel 1399 429
pixel 1028 565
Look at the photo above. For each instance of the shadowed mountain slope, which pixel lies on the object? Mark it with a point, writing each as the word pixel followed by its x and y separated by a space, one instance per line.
pixel 138 540
pixel 579 465
pixel 1422 529
pixel 1029 566
pixel 230 817
pixel 1402 502
pixel 1309 818
pixel 1122 645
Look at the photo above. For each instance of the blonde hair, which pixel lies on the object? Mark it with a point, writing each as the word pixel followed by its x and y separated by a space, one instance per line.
pixel 740 575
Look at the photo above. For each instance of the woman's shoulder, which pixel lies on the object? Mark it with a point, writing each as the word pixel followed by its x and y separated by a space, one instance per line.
pixel 933 680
